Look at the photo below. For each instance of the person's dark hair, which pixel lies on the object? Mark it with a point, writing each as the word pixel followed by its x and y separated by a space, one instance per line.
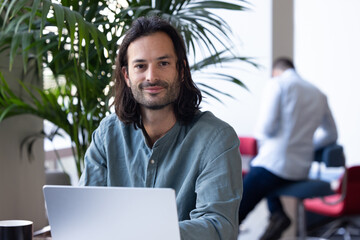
pixel 126 107
pixel 283 64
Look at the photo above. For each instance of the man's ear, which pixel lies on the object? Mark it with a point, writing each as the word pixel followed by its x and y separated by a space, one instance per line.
pixel 126 75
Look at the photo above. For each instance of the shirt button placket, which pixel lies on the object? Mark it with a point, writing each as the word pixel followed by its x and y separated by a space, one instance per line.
pixel 151 173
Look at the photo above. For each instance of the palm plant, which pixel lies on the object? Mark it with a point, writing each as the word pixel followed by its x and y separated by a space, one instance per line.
pixel 77 42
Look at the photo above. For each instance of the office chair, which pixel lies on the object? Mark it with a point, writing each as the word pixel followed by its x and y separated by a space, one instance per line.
pixel 57 177
pixel 52 177
pixel 343 206
pixel 248 150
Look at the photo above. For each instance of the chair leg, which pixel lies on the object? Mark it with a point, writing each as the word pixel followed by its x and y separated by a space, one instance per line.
pixel 342 227
pixel 353 230
pixel 343 231
pixel 349 229
pixel 347 235
pixel 301 220
pixel 333 227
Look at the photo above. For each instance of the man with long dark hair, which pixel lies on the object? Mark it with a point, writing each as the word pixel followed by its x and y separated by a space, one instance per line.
pixel 159 137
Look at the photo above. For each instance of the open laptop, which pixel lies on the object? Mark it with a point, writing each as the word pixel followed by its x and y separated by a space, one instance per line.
pixel 93 213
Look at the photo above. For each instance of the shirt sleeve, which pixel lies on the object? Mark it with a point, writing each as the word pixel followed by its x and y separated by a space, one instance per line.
pixel 95 170
pixel 219 190
pixel 270 111
pixel 327 131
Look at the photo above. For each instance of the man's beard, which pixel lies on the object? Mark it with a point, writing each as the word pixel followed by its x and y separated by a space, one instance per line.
pixel 153 102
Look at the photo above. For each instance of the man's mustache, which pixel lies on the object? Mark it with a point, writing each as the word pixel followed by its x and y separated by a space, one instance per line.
pixel 158 83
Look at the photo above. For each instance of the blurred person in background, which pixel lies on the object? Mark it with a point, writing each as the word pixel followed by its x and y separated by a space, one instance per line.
pixel 294 121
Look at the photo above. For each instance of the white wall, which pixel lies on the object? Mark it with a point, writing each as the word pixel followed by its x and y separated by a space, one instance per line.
pixel 252 30
pixel 21 180
pixel 327 51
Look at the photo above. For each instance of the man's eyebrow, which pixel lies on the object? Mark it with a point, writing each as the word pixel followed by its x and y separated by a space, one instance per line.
pixel 165 57
pixel 138 61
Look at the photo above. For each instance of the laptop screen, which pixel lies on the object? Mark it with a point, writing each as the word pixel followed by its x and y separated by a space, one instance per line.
pixel 85 213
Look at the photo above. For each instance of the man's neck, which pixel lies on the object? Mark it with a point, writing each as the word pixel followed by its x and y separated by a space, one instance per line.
pixel 157 123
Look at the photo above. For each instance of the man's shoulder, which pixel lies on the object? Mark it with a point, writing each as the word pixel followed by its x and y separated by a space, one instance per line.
pixel 207 117
pixel 293 80
pixel 110 122
pixel 209 133
pixel 111 119
pixel 111 127
pixel 208 121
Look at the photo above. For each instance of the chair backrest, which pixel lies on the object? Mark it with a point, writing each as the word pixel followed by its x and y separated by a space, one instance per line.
pixel 248 146
pixel 56 177
pixel 332 155
pixel 352 197
pixel 248 150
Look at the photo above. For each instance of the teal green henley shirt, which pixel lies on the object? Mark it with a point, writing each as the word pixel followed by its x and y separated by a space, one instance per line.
pixel 200 161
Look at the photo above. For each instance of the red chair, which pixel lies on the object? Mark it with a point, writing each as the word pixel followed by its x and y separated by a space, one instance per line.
pixel 248 150
pixel 343 206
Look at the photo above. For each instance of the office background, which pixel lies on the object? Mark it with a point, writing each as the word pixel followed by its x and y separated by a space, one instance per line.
pixel 321 35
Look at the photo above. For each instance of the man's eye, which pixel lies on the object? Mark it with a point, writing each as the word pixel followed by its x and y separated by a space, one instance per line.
pixel 164 63
pixel 139 66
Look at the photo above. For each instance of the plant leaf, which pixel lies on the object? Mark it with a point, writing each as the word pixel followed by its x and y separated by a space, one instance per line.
pixel 14 46
pixel 45 11
pixel 34 9
pixel 59 15
pixel 71 21
pixel 25 43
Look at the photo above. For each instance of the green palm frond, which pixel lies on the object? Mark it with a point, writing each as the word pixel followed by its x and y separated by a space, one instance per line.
pixel 33 20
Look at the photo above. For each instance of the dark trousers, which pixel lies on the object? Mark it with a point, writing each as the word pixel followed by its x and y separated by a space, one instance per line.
pixel 258 184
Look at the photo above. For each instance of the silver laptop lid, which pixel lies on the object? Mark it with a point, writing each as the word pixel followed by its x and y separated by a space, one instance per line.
pixel 92 213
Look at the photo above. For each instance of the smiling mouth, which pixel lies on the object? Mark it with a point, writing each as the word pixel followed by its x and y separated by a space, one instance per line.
pixel 153 89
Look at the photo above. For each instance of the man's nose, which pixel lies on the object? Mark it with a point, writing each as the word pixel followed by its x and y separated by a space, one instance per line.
pixel 151 74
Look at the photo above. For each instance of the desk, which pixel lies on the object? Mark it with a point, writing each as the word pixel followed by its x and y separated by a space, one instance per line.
pixel 43 234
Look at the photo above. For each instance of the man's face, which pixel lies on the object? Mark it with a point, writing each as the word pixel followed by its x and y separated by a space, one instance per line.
pixel 152 74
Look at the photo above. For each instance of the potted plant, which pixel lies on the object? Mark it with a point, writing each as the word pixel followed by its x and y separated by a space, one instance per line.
pixel 76 42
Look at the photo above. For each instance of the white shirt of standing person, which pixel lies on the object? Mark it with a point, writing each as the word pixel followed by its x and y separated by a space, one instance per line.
pixel 292 111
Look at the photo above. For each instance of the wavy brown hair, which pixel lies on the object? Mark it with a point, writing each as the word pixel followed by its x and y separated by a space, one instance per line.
pixel 126 107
